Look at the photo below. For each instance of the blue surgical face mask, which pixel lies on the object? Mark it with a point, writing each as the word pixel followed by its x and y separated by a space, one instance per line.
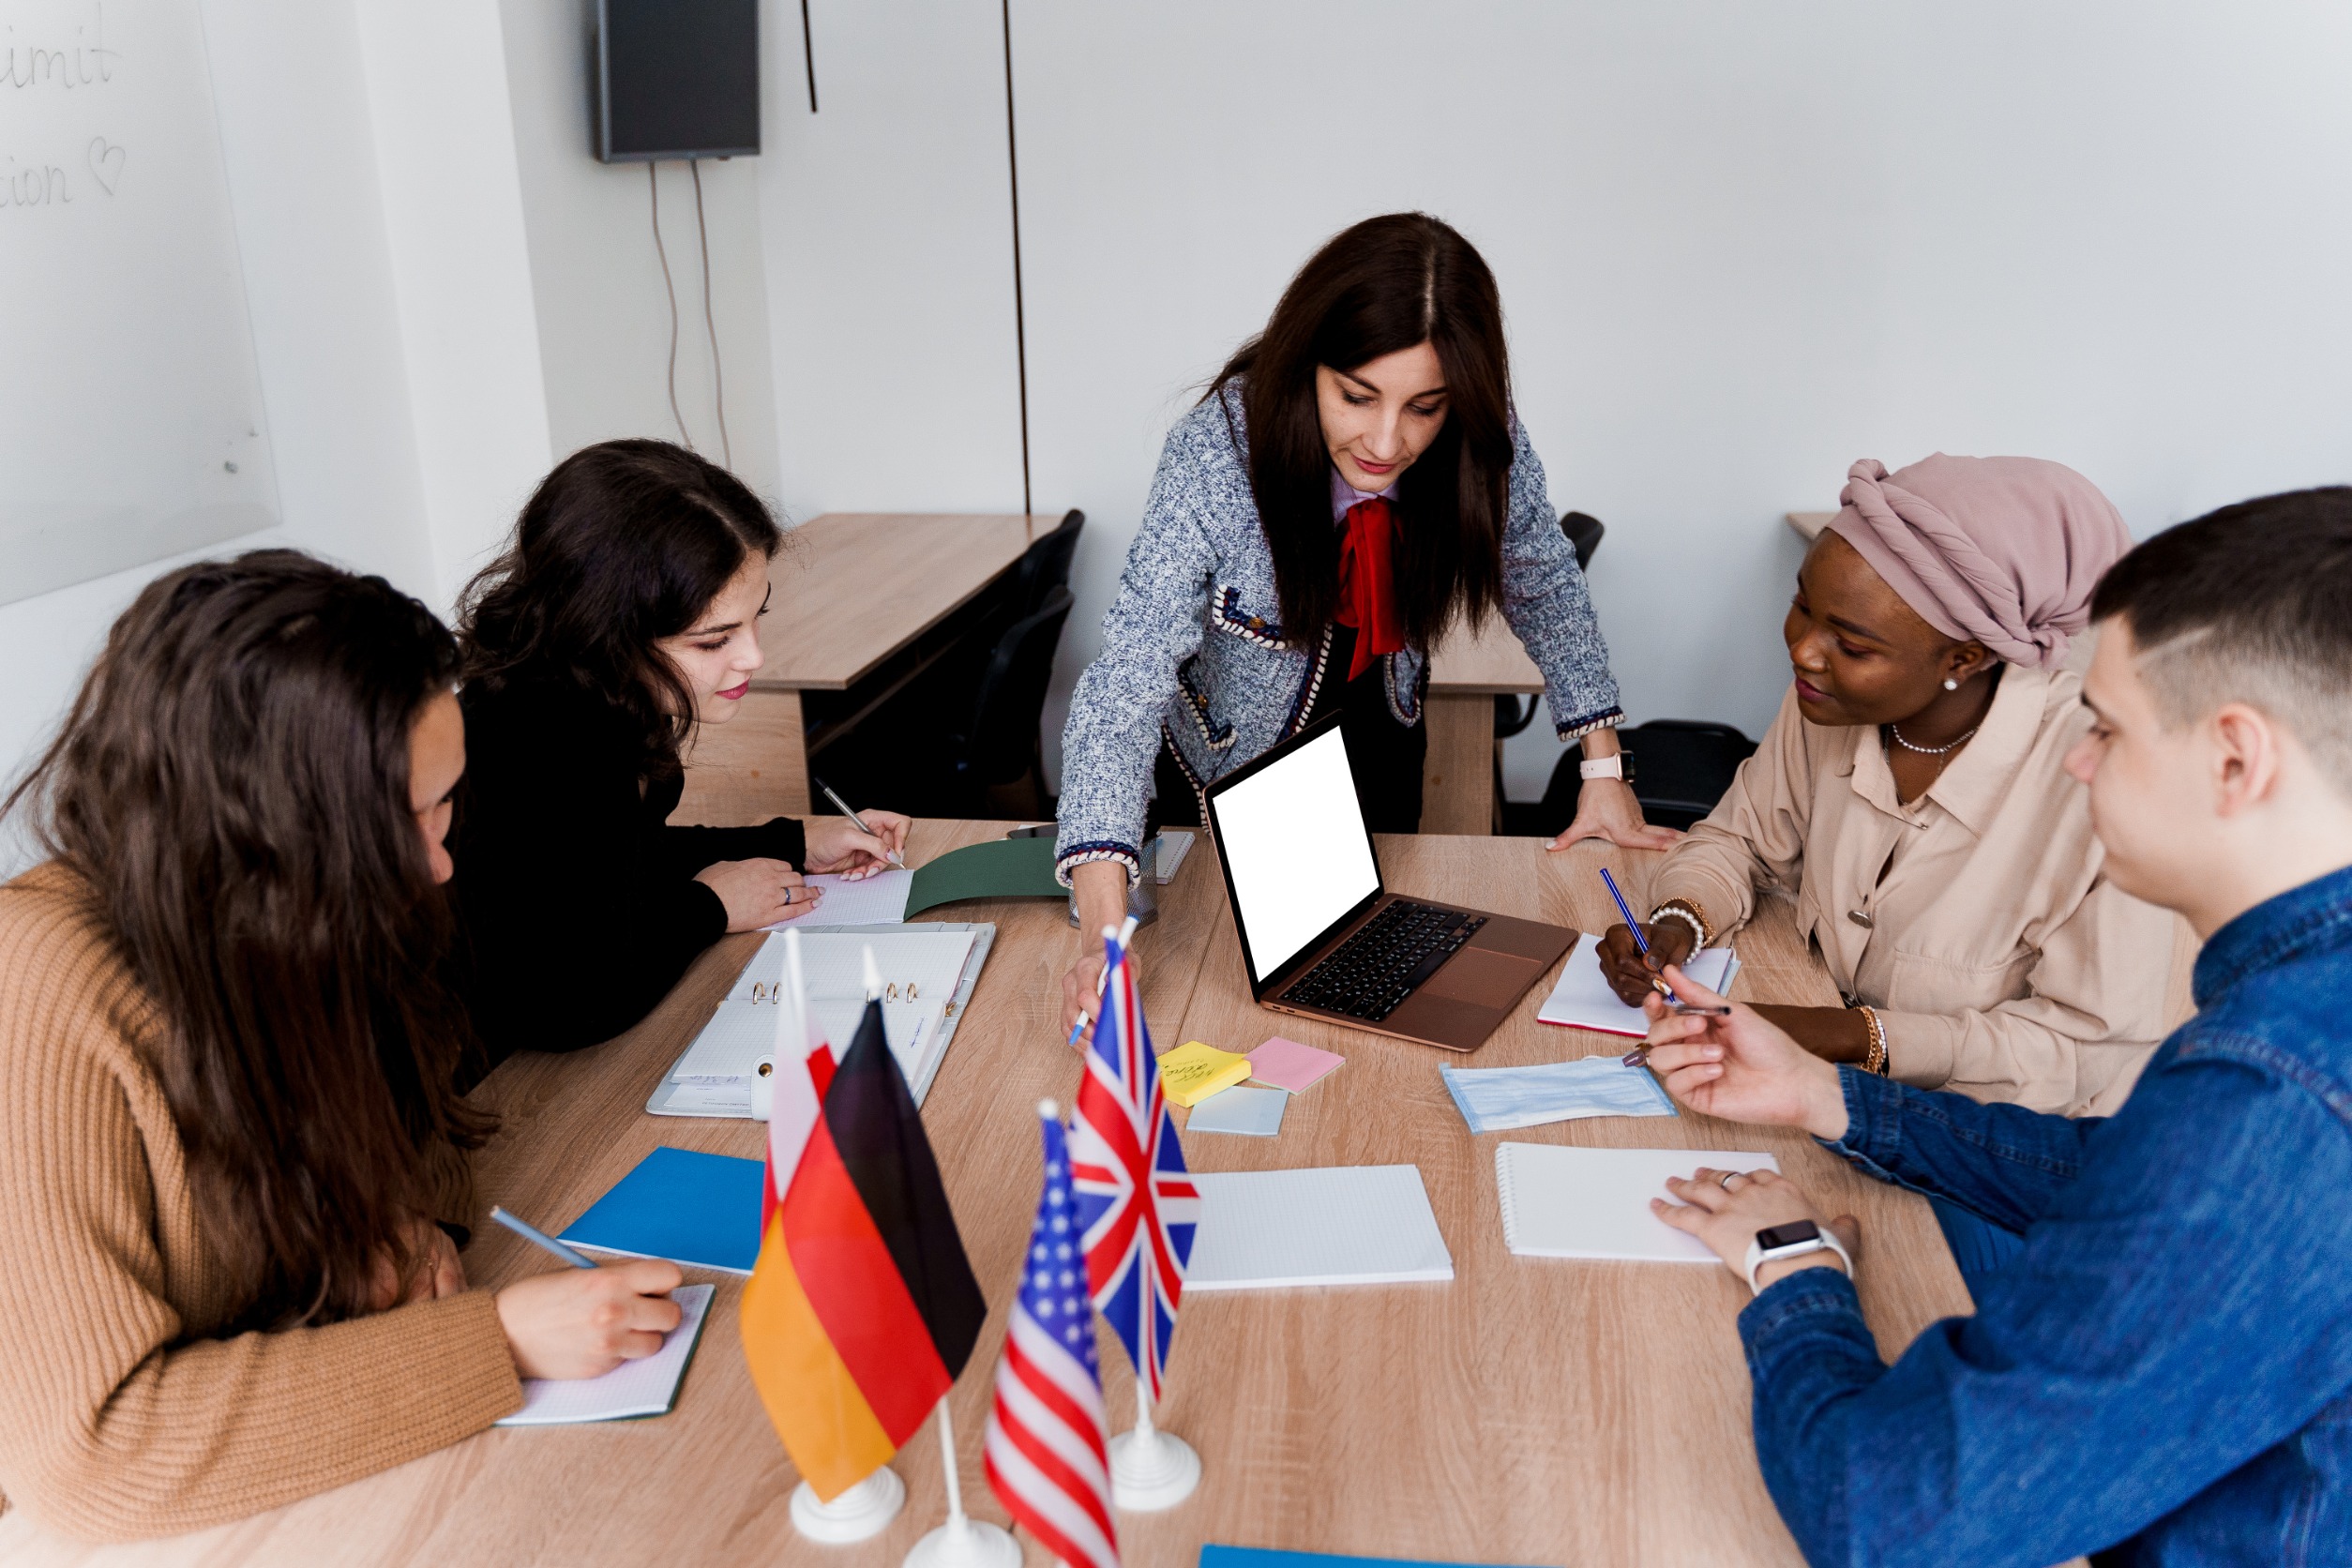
pixel 1498 1099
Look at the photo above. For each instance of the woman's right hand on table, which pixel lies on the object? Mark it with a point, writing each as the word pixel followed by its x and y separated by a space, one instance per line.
pixel 1629 974
pixel 758 893
pixel 584 1323
pixel 1100 887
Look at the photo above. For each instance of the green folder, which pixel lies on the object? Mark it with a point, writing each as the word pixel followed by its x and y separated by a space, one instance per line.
pixel 999 869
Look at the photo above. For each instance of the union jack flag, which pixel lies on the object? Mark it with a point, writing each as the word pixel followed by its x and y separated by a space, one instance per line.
pixel 1046 1454
pixel 1137 1203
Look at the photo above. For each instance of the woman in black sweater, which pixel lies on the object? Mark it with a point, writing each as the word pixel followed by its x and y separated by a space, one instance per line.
pixel 624 615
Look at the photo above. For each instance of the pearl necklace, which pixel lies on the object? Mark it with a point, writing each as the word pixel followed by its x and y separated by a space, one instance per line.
pixel 1929 751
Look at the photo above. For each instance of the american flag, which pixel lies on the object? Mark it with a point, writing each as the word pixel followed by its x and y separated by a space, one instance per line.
pixel 1136 1201
pixel 1045 1453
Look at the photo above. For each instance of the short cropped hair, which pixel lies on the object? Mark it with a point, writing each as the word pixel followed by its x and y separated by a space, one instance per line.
pixel 2249 603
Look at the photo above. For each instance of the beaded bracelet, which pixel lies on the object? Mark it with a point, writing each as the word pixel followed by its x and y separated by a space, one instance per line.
pixel 1689 915
pixel 1877 1061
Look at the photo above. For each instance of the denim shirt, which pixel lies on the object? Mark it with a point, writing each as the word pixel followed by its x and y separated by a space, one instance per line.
pixel 2166 1368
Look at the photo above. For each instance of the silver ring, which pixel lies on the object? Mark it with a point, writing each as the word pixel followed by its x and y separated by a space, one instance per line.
pixel 1723 1181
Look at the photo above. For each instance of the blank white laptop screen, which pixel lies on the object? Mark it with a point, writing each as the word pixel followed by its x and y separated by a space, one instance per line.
pixel 1294 841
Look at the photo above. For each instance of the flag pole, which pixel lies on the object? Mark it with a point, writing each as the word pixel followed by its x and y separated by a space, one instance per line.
pixel 962 1541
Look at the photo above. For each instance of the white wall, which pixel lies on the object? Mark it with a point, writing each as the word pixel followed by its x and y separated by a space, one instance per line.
pixel 603 319
pixel 890 259
pixel 1739 247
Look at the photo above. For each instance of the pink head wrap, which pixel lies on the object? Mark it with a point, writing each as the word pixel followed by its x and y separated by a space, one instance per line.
pixel 1999 550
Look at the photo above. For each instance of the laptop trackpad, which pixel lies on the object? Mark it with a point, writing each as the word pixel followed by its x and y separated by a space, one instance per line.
pixel 1478 974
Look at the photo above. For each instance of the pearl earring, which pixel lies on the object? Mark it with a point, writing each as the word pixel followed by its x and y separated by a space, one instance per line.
pixel 1951 684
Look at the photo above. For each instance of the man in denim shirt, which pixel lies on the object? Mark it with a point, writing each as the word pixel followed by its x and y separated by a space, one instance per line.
pixel 2164 1373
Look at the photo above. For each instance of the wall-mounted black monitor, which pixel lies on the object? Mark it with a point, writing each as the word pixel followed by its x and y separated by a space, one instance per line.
pixel 676 79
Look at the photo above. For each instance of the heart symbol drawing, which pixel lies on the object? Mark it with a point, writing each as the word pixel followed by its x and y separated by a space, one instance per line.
pixel 106 163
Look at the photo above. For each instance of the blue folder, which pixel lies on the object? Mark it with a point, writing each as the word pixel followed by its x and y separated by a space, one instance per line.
pixel 1260 1557
pixel 699 1210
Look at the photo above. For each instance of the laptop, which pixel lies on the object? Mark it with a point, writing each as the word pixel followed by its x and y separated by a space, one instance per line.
pixel 1321 935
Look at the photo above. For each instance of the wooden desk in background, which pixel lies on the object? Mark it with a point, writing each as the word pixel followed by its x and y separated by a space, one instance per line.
pixel 849 590
pixel 1466 675
pixel 1531 1411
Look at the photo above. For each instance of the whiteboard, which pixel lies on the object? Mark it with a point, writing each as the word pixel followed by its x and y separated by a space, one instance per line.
pixel 130 410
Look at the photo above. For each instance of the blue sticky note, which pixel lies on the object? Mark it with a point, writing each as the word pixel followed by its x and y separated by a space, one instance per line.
pixel 1259 1556
pixel 1253 1112
pixel 699 1209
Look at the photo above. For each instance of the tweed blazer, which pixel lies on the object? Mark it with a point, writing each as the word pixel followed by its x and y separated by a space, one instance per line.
pixel 1194 647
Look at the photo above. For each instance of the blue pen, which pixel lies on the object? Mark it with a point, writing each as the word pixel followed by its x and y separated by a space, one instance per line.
pixel 1634 926
pixel 537 1237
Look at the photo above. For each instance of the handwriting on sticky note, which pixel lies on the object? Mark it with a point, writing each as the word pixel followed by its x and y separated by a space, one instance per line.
pixel 1193 1071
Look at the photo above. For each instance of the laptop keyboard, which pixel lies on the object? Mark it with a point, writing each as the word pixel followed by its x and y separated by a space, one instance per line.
pixel 1376 968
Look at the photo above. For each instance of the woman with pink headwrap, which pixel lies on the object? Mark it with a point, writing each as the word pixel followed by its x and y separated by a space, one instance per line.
pixel 1910 796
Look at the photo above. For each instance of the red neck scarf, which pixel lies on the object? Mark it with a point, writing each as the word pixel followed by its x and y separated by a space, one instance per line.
pixel 1368 589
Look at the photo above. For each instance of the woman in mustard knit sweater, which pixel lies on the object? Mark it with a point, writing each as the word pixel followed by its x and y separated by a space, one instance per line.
pixel 230 1150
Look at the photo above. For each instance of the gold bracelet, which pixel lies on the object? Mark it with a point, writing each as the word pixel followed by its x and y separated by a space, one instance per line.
pixel 1877 1061
pixel 1690 914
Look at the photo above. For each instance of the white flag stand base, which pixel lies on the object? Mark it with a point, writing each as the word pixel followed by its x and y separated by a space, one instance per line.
pixel 859 1514
pixel 964 1542
pixel 1150 1469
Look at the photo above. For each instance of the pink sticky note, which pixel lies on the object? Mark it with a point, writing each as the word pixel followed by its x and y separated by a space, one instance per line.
pixel 1287 1064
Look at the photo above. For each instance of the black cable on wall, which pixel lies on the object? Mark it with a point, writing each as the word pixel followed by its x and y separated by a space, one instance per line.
pixel 1020 325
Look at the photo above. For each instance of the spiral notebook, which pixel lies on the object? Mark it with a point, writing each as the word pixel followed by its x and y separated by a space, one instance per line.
pixel 631 1391
pixel 1583 1000
pixel 1560 1201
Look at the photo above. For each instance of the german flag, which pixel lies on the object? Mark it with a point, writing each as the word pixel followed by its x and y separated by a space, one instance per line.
pixel 862 1309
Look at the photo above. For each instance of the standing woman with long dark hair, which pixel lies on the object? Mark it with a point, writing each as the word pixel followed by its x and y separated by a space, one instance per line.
pixel 623 617
pixel 1353 482
pixel 230 1149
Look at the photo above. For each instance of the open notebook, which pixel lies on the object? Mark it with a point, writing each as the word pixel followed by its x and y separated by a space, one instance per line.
pixel 1582 998
pixel 647 1386
pixel 1565 1202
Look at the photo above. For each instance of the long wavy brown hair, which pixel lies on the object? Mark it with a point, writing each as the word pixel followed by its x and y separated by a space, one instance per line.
pixel 233 786
pixel 1384 284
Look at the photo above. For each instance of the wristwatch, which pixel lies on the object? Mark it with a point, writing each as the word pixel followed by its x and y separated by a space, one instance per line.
pixel 1793 1240
pixel 1616 765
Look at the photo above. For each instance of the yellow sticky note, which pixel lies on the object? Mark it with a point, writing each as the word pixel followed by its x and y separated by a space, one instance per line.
pixel 1193 1071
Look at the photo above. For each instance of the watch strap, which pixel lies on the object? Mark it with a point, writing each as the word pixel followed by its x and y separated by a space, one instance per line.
pixel 1825 1239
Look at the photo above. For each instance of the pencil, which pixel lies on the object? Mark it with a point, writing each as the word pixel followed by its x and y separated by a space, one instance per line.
pixel 539 1237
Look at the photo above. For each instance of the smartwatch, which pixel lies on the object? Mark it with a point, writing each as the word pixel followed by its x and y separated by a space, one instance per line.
pixel 1611 766
pixel 1793 1240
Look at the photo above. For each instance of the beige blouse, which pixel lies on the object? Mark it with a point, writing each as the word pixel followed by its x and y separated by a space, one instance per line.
pixel 1976 921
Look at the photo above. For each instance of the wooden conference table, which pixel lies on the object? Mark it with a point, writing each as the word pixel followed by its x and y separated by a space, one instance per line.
pixel 1530 1411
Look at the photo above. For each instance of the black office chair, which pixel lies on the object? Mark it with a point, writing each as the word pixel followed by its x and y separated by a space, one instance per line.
pixel 1584 533
pixel 995 760
pixel 1680 767
pixel 1045 565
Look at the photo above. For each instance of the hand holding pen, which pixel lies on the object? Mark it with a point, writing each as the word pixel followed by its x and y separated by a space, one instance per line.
pixel 1673 1007
pixel 884 832
pixel 584 1321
